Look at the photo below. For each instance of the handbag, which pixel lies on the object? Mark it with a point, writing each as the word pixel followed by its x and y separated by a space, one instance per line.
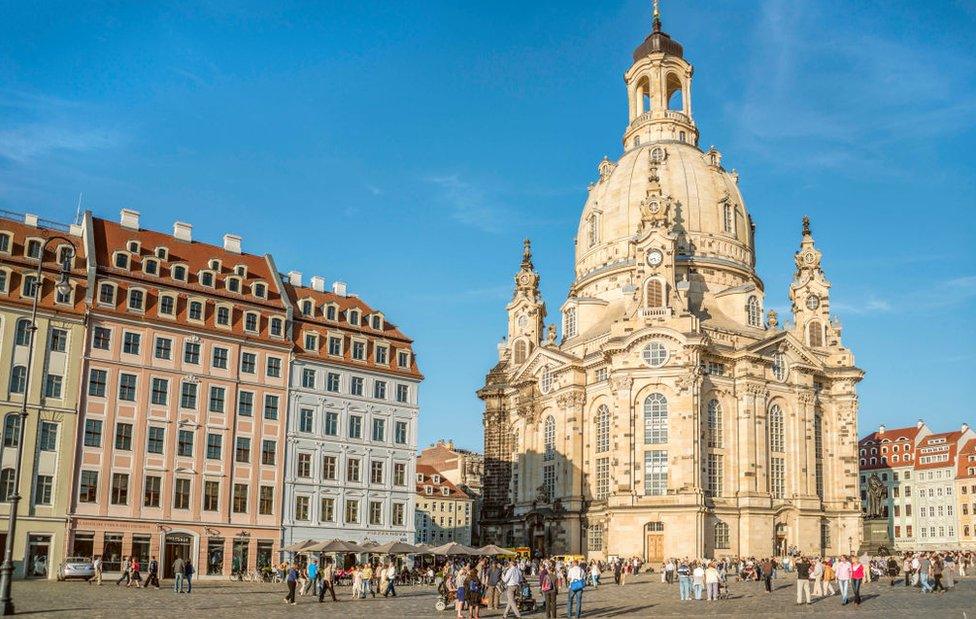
pixel 576 585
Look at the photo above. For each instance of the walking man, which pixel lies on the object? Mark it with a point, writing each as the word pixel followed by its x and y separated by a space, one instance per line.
pixel 328 578
pixel 802 580
pixel 178 566
pixel 511 580
pixel 188 572
pixel 494 584
pixel 97 566
pixel 125 572
pixel 152 578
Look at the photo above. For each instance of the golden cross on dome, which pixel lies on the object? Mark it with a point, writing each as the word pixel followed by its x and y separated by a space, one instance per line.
pixel 657 10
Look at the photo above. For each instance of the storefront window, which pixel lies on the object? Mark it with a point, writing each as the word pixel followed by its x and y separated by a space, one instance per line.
pixel 84 545
pixel 112 555
pixel 240 565
pixel 264 553
pixel 215 556
pixel 140 550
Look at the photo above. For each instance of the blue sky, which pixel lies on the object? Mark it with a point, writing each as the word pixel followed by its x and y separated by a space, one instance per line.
pixel 407 148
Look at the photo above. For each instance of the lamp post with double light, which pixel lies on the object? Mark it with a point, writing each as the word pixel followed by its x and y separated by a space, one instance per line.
pixel 63 287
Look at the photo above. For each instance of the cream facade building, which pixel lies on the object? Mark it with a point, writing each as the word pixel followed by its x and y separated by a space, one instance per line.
pixel 671 418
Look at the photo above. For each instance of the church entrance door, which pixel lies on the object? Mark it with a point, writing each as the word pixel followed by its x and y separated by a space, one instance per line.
pixel 654 542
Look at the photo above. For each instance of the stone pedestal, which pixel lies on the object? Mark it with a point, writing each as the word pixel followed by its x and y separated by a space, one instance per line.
pixel 876 536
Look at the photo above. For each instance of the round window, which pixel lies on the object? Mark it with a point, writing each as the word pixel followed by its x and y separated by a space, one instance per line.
pixel 655 354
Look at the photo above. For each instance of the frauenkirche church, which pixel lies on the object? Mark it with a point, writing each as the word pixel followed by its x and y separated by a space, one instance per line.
pixel 673 417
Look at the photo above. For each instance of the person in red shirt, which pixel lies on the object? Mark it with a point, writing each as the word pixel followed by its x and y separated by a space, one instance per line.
pixel 857 576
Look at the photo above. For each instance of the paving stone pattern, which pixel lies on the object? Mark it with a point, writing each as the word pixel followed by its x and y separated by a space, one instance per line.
pixel 641 596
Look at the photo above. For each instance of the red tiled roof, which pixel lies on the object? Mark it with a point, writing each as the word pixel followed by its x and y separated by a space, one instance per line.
pixel 428 472
pixel 951 442
pixel 967 452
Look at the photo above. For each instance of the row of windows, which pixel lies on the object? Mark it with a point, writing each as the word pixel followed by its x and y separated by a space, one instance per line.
pixel 156 442
pixel 163 350
pixel 329 426
pixel 188 396
pixel 353 473
pixel 333 384
pixel 351 512
pixel 137 300
pixel 181 499
pixel 180 272
pixel 28 287
pixel 335 348
pixel 43 487
pixel 47 439
pixel 331 312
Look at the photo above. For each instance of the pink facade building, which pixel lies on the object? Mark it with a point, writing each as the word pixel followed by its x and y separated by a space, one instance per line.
pixel 183 410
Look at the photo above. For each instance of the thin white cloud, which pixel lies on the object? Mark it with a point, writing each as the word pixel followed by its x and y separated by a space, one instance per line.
pixel 468 203
pixel 32 141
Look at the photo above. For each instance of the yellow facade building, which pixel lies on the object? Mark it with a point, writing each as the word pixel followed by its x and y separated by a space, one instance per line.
pixel 52 390
pixel 673 417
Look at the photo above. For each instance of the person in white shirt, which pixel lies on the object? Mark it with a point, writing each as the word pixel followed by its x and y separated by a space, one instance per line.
pixel 698 580
pixel 511 578
pixel 594 574
pixel 577 581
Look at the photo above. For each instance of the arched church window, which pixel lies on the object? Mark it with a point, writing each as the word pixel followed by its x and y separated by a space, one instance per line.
pixel 520 351
pixel 549 438
pixel 714 415
pixel 593 232
pixel 815 332
pixel 655 419
pixel 776 432
pixel 655 293
pixel 569 323
pixel 721 535
pixel 602 429
pixel 753 313
pixel 676 99
pixel 545 382
pixel 780 369
pixel 727 217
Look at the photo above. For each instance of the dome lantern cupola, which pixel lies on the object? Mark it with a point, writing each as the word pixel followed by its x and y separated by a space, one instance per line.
pixel 659 91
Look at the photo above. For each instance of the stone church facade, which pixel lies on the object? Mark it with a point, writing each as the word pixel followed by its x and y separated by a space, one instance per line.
pixel 672 417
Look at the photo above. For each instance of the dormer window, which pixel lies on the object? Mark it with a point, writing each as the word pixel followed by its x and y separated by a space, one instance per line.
pixel 179 273
pixel 276 327
pixel 5 243
pixel 377 322
pixel 66 255
pixel 446 491
pixel 311 341
pixel 167 305
pixel 260 290
pixel 359 350
pixel 162 253
pixel 223 316
pixel 137 300
pixel 354 317
pixel 428 490
pixel 420 478
pixel 233 284
pixel 214 264
pixel 382 357
pixel 106 294
pixel 195 311
pixel 436 479
pixel 133 247
pixel 251 322
pixel 206 279
pixel 240 270
pixel 121 260
pixel 307 307
pixel 33 249
pixel 403 359
pixel 150 267
pixel 331 312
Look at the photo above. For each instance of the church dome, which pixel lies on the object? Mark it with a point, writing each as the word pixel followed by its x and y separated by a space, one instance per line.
pixel 709 218
pixel 658 41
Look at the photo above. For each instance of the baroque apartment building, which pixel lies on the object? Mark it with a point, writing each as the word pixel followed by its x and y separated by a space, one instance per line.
pixel 463 468
pixel 445 512
pixel 889 455
pixel 183 412
pixel 929 482
pixel 673 417
pixel 352 423
pixel 52 395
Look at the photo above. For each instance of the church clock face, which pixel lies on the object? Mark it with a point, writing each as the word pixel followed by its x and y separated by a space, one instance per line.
pixel 522 321
pixel 658 154
pixel 655 257
pixel 813 302
pixel 524 279
pixel 654 207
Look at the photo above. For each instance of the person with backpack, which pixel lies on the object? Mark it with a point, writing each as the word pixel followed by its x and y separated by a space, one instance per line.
pixel 577 581
pixel 548 586
pixel 472 593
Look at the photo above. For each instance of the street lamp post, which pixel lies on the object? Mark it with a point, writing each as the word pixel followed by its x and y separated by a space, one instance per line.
pixel 63 286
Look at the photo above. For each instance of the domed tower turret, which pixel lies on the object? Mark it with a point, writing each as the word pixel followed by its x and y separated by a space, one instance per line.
pixel 659 91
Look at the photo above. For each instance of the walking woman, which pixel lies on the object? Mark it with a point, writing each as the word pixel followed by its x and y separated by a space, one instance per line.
pixel 857 577
pixel 547 584
pixel 292 581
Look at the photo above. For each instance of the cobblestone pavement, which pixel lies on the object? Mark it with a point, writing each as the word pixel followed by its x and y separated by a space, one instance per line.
pixel 643 596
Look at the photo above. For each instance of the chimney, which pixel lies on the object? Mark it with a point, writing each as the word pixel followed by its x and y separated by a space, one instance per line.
pixel 881 429
pixel 129 219
pixel 30 219
pixel 295 278
pixel 965 426
pixel 317 283
pixel 232 243
pixel 919 424
pixel 183 231
pixel 339 288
